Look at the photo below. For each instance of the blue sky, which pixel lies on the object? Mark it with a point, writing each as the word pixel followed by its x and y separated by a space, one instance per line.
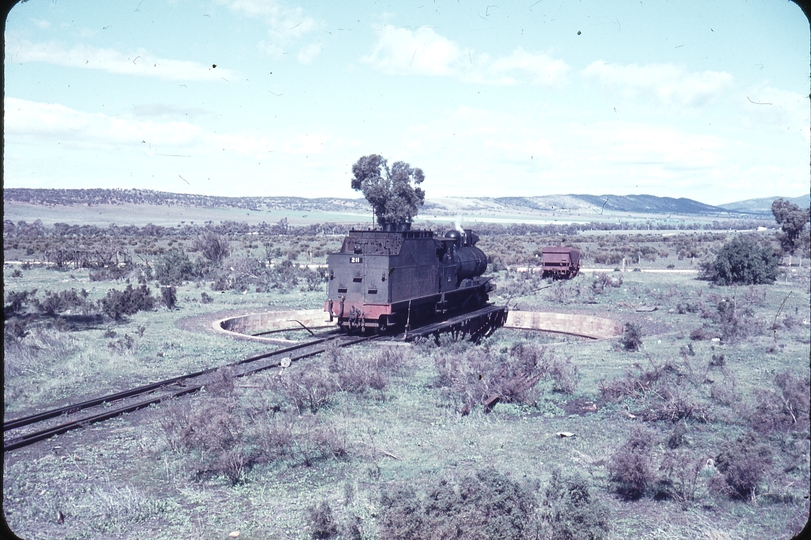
pixel 705 100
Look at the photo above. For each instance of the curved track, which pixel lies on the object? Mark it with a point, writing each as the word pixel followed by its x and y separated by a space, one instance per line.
pixel 158 391
pixel 476 324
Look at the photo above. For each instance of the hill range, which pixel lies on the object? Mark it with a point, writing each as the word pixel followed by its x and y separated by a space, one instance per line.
pixel 136 205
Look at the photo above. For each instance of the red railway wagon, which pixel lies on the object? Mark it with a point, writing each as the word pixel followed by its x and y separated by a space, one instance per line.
pixel 560 262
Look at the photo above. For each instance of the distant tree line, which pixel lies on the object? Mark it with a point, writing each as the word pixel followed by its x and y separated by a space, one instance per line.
pixel 68 197
pixel 282 227
pixel 225 228
pixel 571 229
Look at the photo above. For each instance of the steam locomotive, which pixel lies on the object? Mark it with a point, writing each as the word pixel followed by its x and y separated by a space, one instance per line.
pixel 398 276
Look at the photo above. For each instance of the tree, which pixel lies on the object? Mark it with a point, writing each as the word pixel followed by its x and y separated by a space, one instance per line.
pixel 389 190
pixel 742 261
pixel 792 220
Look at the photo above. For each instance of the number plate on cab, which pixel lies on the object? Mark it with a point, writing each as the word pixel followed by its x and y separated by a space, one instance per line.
pixel 356 260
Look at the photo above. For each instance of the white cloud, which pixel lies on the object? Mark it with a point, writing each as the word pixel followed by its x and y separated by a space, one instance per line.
pixel 49 145
pixel 666 83
pixel 30 121
pixel 41 23
pixel 309 53
pixel 540 152
pixel 402 51
pixel 764 105
pixel 420 52
pixel 160 109
pixel 539 67
pixel 286 26
pixel 634 144
pixel 33 120
pixel 138 63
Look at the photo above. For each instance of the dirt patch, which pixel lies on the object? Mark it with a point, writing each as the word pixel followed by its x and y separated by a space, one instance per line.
pixel 582 406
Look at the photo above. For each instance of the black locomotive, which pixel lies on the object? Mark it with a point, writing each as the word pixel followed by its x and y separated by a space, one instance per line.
pixel 384 278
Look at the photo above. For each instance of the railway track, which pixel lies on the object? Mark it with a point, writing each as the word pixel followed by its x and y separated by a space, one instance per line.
pixel 43 425
pixel 27 430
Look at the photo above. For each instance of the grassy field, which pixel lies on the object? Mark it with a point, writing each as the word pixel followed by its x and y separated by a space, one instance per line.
pixel 259 455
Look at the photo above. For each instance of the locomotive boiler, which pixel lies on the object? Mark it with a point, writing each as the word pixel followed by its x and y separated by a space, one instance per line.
pixel 384 278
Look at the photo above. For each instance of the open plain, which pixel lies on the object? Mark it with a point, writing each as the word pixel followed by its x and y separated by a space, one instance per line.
pixel 695 426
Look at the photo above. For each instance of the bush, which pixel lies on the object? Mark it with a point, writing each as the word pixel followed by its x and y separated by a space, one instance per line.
pixel 786 408
pixel 127 302
pixel 570 512
pixel 631 339
pixel 15 329
pixel 565 375
pixel 630 465
pixel 359 372
pixel 169 296
pixel 322 522
pixel 742 261
pixel 62 301
pixel 212 437
pixel 475 375
pixel 484 505
pixel 743 464
pixel 681 472
pixel 314 440
pixel 174 267
pixel 795 398
pixel 307 390
pixel 16 300
pixel 212 246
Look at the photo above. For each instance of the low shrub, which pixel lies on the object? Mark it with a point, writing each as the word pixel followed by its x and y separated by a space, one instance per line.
pixel 322 522
pixel 631 339
pixel 307 390
pixel 174 267
pixel 634 384
pixel 212 435
pixel 62 301
pixel 681 470
pixel 360 372
pixel 487 504
pixel 603 280
pixel 314 440
pixel 169 296
pixel 702 334
pixel 15 329
pixel 565 375
pixel 725 392
pixel 742 463
pixel 569 511
pixel 795 398
pixel 16 300
pixel 630 465
pixel 127 302
pixel 475 375
pixel 784 408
